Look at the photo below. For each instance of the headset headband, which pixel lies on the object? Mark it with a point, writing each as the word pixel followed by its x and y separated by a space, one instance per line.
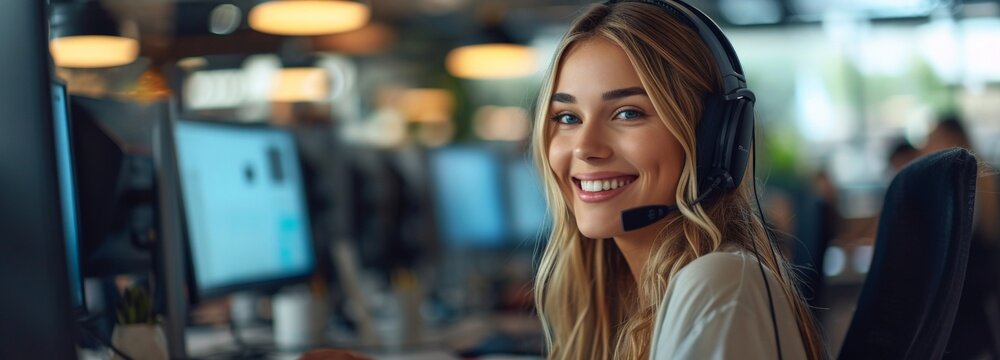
pixel 711 35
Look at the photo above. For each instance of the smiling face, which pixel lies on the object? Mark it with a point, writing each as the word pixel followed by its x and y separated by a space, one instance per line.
pixel 608 149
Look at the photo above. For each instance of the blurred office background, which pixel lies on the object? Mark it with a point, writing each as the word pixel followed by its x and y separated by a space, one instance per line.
pixel 424 213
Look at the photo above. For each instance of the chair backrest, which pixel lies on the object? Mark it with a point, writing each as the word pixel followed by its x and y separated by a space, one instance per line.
pixel 910 296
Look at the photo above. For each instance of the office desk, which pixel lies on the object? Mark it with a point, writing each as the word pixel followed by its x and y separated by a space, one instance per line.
pixel 445 342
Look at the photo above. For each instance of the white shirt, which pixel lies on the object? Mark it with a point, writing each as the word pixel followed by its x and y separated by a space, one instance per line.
pixel 716 307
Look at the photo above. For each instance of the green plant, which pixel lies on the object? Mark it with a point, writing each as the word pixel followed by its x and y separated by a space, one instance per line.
pixel 136 307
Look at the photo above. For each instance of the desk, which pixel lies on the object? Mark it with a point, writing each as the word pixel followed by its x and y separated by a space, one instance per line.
pixel 445 342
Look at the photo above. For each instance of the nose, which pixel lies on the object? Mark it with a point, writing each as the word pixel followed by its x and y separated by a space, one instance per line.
pixel 591 143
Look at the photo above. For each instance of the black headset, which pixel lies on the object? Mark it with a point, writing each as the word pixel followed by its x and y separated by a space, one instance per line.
pixel 725 130
pixel 724 133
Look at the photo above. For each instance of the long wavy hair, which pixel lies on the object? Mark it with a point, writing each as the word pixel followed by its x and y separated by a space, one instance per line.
pixel 585 294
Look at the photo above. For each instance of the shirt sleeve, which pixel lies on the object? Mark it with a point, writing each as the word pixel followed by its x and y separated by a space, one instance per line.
pixel 717 308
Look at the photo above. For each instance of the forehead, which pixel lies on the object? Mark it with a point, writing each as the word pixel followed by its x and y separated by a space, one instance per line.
pixel 593 66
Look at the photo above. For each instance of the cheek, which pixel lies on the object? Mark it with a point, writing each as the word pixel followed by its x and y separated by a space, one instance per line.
pixel 560 156
pixel 660 164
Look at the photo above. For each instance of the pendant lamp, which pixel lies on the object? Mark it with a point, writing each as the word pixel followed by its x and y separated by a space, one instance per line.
pixel 83 35
pixel 491 54
pixel 308 17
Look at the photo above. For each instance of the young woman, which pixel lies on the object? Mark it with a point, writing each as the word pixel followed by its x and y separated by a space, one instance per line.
pixel 615 130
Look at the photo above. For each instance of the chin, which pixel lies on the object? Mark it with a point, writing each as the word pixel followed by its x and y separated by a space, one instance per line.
pixel 595 227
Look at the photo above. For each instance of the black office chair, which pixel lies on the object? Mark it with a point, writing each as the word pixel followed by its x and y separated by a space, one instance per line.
pixel 908 303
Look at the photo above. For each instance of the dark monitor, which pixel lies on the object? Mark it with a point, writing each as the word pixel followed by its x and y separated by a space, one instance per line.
pixel 68 194
pixel 35 317
pixel 243 206
pixel 116 184
pixel 528 212
pixel 468 196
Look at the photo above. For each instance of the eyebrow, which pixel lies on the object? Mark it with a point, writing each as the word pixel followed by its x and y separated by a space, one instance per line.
pixel 564 98
pixel 610 95
pixel 621 93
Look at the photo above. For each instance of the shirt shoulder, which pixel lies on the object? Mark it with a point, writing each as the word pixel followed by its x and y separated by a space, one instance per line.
pixel 718 278
pixel 717 307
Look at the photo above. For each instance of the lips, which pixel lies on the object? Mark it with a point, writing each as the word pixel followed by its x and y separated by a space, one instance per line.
pixel 597 187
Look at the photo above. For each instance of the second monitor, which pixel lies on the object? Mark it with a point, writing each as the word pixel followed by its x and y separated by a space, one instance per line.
pixel 244 207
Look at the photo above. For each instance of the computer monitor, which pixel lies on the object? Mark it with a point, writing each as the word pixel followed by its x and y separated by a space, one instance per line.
pixel 35 307
pixel 528 212
pixel 243 206
pixel 116 184
pixel 68 194
pixel 468 193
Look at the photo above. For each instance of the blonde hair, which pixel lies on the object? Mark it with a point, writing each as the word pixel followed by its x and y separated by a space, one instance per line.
pixel 585 294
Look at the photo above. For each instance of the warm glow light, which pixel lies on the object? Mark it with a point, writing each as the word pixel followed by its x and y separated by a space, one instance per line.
pixel 427 105
pixel 492 61
pixel 93 51
pixel 502 123
pixel 308 17
pixel 300 85
pixel 436 134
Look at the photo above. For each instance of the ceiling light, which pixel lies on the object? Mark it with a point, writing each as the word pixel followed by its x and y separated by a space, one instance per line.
pixel 93 51
pixel 491 53
pixel 492 61
pixel 308 17
pixel 300 84
pixel 83 35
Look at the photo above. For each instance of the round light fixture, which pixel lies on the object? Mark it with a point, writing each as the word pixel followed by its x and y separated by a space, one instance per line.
pixel 93 51
pixel 492 61
pixel 84 35
pixel 308 17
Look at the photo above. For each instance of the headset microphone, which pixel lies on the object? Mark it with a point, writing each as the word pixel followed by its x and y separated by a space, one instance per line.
pixel 640 217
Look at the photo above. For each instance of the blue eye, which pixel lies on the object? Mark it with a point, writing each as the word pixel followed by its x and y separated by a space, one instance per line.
pixel 629 114
pixel 566 119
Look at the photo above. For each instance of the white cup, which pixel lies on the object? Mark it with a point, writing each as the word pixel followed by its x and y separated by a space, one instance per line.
pixel 299 320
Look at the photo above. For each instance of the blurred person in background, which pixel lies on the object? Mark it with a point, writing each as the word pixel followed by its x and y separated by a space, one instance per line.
pixel 977 325
pixel 902 153
pixel 615 130
pixel 950 132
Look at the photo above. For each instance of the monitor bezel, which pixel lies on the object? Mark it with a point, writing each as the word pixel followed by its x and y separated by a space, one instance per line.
pixel 59 89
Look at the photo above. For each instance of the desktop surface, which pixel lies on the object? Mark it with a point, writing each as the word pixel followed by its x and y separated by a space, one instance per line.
pixel 498 335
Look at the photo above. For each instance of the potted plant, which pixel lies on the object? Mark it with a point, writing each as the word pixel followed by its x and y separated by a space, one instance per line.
pixel 138 333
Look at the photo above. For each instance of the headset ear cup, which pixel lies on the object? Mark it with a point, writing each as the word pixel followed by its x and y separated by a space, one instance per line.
pixel 707 138
pixel 742 141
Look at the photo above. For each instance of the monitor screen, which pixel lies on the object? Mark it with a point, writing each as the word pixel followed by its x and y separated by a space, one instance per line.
pixel 527 202
pixel 67 192
pixel 468 192
pixel 244 206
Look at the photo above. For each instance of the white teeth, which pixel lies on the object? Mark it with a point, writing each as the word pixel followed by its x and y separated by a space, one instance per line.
pixel 602 185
